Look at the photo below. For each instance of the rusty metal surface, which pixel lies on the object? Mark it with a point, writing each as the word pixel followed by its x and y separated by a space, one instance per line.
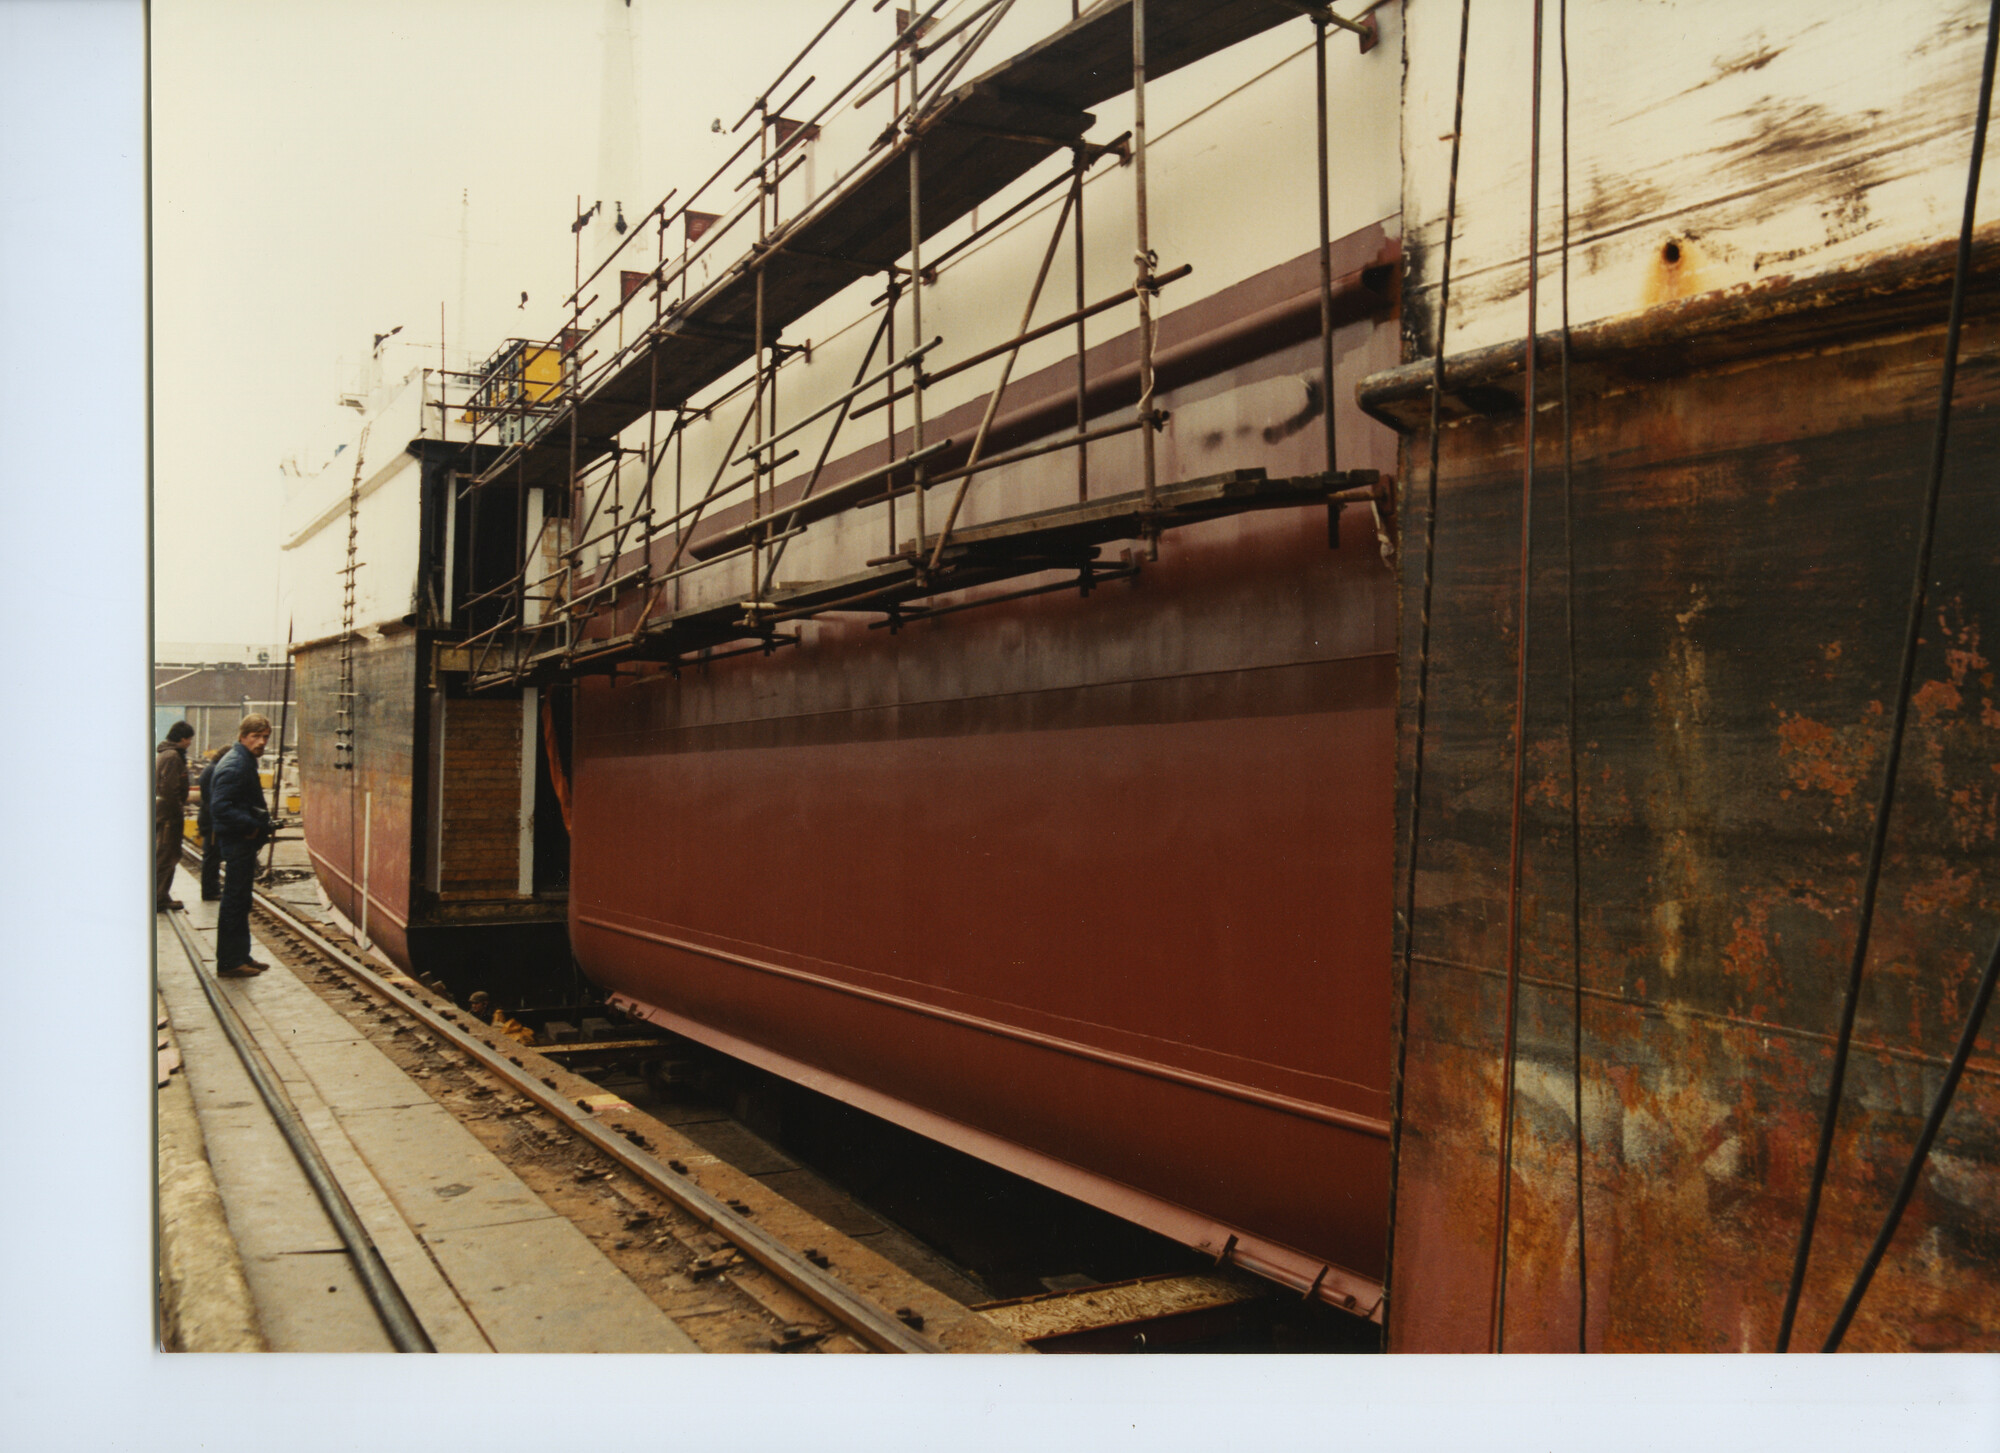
pixel 1107 878
pixel 491 939
pixel 1713 329
pixel 1744 539
pixel 382 781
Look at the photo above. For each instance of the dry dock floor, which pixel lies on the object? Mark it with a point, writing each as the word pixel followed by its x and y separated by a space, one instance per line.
pixel 487 1261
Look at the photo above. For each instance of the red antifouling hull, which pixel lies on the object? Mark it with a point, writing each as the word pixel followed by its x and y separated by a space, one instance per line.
pixel 1111 907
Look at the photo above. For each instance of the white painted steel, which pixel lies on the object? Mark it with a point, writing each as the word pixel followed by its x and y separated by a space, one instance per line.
pixel 1763 141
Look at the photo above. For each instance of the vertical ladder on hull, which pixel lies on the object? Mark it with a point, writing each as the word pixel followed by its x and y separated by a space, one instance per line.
pixel 343 732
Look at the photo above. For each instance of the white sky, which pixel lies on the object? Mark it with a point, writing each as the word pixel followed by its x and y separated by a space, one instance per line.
pixel 309 161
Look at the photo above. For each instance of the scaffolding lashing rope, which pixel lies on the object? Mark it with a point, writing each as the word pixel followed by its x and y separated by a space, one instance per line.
pixel 1409 915
pixel 1497 1329
pixel 1575 777
pixel 1146 261
pixel 1885 800
pixel 557 777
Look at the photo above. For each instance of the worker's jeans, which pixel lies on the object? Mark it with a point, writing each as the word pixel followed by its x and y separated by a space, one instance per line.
pixel 211 868
pixel 166 853
pixel 232 919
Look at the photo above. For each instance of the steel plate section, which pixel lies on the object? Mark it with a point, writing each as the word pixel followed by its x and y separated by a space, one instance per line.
pixel 365 808
pixel 1745 541
pixel 1104 878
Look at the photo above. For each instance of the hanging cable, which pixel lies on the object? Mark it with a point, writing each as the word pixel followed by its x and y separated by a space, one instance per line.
pixel 1966 1039
pixel 1423 681
pixel 1575 780
pixel 1983 998
pixel 1497 1329
pixel 551 749
pixel 1919 588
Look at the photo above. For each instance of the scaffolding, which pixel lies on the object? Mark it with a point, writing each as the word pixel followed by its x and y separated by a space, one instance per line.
pixel 602 558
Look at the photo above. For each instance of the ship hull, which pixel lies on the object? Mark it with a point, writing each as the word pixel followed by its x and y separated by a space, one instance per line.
pixel 1749 486
pixel 1110 908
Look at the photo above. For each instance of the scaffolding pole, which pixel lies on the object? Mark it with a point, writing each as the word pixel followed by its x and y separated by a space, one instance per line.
pixel 1143 285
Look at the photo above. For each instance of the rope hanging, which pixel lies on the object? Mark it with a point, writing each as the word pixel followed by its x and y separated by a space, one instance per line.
pixel 1878 838
pixel 1575 778
pixel 1503 1208
pixel 1402 991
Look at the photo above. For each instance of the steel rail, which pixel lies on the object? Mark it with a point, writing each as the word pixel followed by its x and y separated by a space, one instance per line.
pixel 632 230
pixel 700 507
pixel 1006 372
pixel 1042 330
pixel 1082 349
pixel 575 552
pixel 880 1328
pixel 577 599
pixel 914 33
pixel 1323 16
pixel 1144 287
pixel 576 388
pixel 609 464
pixel 405 1331
pixel 833 500
pixel 757 401
pixel 825 451
pixel 1088 579
pixel 756 173
pixel 986 229
pixel 935 90
pixel 764 98
pixel 284 725
pixel 914 358
pixel 913 142
pixel 719 492
pixel 661 275
pixel 1325 251
pixel 1031 451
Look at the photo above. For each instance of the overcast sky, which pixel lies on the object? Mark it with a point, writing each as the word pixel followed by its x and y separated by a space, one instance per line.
pixel 324 172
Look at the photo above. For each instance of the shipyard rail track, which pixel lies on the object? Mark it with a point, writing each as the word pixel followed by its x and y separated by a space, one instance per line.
pixel 706 1233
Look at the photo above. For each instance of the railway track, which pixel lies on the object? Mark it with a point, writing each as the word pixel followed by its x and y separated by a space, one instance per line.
pixel 687 1234
pixel 678 1203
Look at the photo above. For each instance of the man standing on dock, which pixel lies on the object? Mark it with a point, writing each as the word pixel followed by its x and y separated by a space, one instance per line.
pixel 170 795
pixel 242 826
pixel 211 860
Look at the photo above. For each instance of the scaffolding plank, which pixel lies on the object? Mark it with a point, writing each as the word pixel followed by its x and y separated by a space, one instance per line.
pixel 1065 537
pixel 1089 60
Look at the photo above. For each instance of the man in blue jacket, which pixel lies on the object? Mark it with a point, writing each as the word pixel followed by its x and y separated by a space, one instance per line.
pixel 211 860
pixel 242 826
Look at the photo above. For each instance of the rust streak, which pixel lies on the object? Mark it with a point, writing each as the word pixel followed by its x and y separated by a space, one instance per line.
pixel 1814 756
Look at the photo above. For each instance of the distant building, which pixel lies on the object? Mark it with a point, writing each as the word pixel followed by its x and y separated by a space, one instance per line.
pixel 213 687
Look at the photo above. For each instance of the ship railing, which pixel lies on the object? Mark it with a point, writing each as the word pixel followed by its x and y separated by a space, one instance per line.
pixel 645 547
pixel 711 228
pixel 517 423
